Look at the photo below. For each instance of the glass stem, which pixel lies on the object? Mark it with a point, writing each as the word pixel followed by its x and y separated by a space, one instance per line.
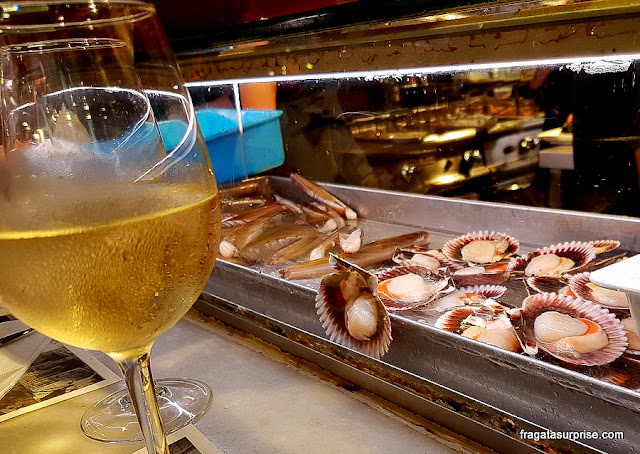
pixel 137 376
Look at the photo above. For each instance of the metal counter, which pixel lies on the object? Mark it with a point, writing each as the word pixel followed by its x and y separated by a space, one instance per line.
pixel 485 393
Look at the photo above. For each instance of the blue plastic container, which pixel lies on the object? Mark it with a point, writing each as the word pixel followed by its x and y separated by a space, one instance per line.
pixel 231 158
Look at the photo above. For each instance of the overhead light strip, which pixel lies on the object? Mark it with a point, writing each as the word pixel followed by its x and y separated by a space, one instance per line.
pixel 619 60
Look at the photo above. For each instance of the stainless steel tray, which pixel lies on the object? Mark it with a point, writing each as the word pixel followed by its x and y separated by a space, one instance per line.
pixel 485 393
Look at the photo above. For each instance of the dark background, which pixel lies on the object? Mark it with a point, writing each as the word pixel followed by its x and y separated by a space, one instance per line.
pixel 201 16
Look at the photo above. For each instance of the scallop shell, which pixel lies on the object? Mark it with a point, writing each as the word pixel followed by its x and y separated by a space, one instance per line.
pixel 580 252
pixel 533 306
pixel 602 246
pixel 403 256
pixel 440 282
pixel 548 284
pixel 406 257
pixel 632 349
pixel 451 264
pixel 632 353
pixel 453 319
pixel 619 376
pixel 457 320
pixel 330 307
pixel 578 284
pixel 453 248
pixel 483 277
pixel 487 291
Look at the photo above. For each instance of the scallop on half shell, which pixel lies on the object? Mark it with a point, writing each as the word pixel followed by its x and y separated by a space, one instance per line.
pixel 481 248
pixel 479 275
pixel 466 296
pixel 582 286
pixel 549 284
pixel 351 312
pixel 573 330
pixel 411 287
pixel 554 260
pixel 602 246
pixel 631 328
pixel 418 256
pixel 487 323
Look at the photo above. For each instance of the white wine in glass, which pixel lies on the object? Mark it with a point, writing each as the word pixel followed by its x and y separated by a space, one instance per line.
pixel 111 283
pixel 106 238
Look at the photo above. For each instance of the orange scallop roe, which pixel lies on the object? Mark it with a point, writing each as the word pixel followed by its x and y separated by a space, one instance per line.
pixel 592 327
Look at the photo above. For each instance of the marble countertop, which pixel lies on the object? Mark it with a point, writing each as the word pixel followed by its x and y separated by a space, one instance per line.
pixel 265 401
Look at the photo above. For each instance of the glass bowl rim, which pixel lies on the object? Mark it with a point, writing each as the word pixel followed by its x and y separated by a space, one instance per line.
pixel 142 11
pixel 60 45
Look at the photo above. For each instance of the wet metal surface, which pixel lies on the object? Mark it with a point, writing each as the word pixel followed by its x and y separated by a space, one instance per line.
pixel 487 393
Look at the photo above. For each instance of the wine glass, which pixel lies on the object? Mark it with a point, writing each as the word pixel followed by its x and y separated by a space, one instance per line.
pixel 107 238
pixel 147 49
pixel 181 400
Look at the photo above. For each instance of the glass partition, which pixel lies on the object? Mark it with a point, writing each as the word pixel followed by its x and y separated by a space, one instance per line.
pixel 560 134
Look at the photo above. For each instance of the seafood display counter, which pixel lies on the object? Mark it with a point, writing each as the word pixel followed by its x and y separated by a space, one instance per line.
pixel 467 252
pixel 486 392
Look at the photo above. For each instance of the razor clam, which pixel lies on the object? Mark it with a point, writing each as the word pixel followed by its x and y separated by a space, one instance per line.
pixel 314 215
pixel 306 245
pixel 274 240
pixel 232 244
pixel 244 204
pixel 293 206
pixel 317 193
pixel 351 242
pixel 238 219
pixel 258 186
pixel 370 254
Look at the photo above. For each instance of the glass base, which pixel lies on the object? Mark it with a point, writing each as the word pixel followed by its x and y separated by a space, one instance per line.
pixel 113 419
